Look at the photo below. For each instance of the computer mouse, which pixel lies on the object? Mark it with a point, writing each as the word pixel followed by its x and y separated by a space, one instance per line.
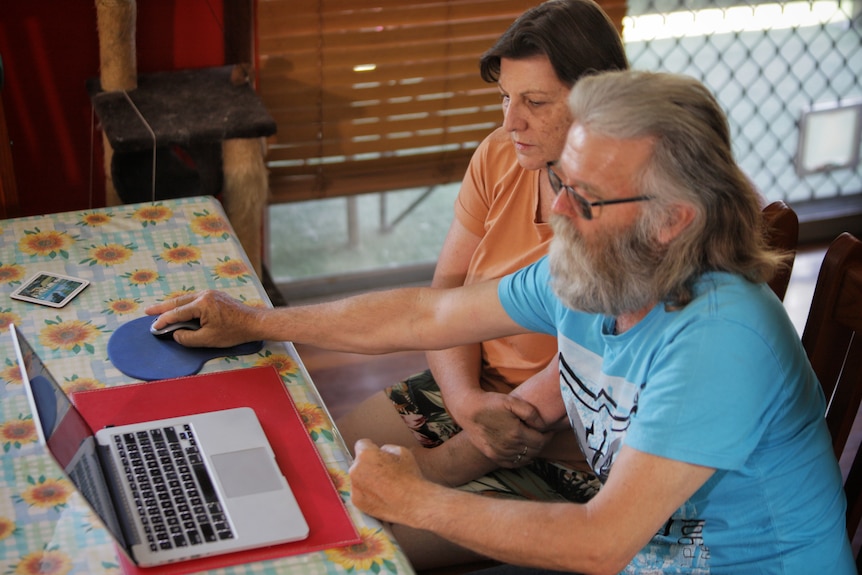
pixel 168 330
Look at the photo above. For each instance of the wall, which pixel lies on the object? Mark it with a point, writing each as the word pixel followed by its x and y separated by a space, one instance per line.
pixel 49 50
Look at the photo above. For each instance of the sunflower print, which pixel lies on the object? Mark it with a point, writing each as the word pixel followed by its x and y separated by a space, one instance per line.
pixel 282 362
pixel 142 277
pixel 109 254
pixel 209 225
pixel 95 219
pixel 374 553
pixel 315 421
pixel 46 493
pixel 69 335
pixel 153 214
pixel 50 243
pixel 231 269
pixel 11 373
pixel 341 481
pixel 7 527
pixel 122 306
pixel 75 383
pixel 8 317
pixel 44 562
pixel 11 273
pixel 17 432
pixel 180 254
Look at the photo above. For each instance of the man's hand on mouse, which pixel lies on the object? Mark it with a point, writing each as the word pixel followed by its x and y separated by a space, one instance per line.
pixel 225 321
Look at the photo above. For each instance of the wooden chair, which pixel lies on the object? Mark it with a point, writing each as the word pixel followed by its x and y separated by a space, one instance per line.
pixel 783 229
pixel 853 491
pixel 833 341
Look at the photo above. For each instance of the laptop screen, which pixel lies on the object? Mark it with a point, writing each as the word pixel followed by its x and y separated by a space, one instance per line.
pixel 64 431
pixel 59 425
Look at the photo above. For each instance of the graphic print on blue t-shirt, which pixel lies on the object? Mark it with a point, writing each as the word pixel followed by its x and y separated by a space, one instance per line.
pixel 753 411
pixel 604 405
pixel 600 409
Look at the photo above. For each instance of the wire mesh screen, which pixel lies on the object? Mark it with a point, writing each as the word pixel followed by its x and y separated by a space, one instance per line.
pixel 766 62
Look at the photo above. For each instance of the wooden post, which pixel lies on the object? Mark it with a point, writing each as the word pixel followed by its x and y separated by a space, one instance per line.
pixel 246 187
pixel 117 60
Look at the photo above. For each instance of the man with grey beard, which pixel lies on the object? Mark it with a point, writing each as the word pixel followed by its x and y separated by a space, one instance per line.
pixel 681 375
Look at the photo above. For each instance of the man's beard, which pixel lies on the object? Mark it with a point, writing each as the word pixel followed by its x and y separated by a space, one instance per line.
pixel 612 273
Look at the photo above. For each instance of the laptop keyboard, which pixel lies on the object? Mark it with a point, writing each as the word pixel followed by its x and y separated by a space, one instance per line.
pixel 82 476
pixel 172 489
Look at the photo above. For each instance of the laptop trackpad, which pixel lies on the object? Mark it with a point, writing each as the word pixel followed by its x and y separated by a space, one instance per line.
pixel 247 472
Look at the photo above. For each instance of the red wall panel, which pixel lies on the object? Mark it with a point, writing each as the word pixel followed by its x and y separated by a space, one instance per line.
pixel 49 50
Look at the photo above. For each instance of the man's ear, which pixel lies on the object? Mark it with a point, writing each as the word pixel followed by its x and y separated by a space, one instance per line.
pixel 678 218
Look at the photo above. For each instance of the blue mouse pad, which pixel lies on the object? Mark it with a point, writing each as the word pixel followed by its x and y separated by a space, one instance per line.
pixel 139 354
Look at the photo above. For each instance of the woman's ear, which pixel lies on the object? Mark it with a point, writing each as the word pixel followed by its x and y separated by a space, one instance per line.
pixel 678 218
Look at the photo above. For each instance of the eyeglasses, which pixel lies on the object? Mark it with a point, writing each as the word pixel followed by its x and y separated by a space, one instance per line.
pixel 583 203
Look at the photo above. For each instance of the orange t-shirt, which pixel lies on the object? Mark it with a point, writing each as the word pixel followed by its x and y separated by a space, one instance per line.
pixel 499 201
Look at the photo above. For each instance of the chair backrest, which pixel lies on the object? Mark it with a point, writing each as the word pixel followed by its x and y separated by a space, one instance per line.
pixel 783 230
pixel 830 335
pixel 833 340
pixel 853 491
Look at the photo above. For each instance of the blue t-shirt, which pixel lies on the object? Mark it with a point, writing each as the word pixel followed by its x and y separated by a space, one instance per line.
pixel 725 383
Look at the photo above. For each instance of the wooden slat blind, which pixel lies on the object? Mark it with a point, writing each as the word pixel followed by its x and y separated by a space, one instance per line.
pixel 374 95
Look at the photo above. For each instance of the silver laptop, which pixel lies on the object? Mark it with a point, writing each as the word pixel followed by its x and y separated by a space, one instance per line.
pixel 173 489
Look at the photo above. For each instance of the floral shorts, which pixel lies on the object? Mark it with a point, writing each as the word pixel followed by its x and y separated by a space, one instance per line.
pixel 420 404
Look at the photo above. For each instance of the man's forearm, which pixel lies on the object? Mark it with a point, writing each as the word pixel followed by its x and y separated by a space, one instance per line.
pixel 373 323
pixel 508 530
pixel 378 322
pixel 396 320
pixel 641 493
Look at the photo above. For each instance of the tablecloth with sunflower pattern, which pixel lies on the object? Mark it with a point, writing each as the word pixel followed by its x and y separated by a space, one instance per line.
pixel 133 255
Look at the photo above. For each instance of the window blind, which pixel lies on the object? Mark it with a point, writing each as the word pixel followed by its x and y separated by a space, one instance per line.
pixel 376 95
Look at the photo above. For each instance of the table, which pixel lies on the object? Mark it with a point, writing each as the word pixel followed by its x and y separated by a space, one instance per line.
pixel 134 255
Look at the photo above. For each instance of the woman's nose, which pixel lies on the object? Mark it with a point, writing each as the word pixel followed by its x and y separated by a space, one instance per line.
pixel 513 119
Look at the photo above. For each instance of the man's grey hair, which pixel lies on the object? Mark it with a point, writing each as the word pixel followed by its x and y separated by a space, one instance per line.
pixel 692 163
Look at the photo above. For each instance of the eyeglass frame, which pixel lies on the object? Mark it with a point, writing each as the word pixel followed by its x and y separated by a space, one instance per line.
pixel 586 206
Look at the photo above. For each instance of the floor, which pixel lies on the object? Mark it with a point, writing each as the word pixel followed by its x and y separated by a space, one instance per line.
pixel 331 237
